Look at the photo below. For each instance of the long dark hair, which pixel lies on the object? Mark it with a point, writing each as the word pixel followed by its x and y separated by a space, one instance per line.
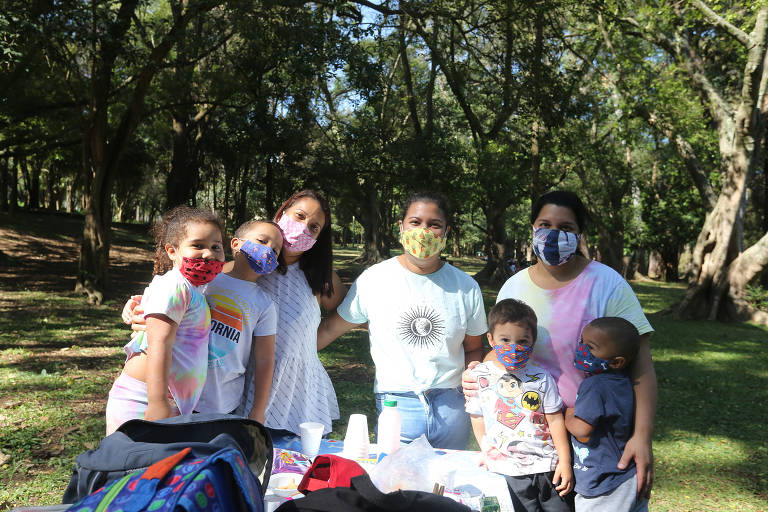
pixel 172 228
pixel 317 262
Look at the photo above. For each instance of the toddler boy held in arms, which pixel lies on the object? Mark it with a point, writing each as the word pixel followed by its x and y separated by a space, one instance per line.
pixel 602 418
pixel 517 414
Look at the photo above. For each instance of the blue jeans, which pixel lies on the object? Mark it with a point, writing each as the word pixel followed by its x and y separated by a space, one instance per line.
pixel 437 413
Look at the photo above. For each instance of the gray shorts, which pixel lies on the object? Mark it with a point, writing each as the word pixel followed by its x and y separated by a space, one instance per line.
pixel 621 499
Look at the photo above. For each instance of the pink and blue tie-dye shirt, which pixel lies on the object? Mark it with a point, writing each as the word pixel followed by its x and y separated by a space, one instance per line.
pixel 562 313
pixel 173 296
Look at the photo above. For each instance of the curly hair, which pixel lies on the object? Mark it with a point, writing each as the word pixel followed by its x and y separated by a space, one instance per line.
pixel 172 228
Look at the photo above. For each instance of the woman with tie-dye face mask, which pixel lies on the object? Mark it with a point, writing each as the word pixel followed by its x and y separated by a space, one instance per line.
pixel 425 320
pixel 567 291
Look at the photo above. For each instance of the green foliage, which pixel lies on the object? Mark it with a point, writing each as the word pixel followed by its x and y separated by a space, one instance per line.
pixel 757 296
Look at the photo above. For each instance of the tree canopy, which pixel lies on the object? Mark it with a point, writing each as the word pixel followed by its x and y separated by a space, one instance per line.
pixel 654 113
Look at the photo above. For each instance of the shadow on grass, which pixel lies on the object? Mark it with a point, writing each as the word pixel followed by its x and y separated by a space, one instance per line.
pixel 712 385
pixel 55 362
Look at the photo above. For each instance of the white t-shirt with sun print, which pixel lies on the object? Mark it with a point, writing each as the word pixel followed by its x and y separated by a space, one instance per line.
pixel 416 323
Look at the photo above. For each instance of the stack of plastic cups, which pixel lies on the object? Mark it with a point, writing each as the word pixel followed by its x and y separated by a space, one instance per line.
pixel 356 443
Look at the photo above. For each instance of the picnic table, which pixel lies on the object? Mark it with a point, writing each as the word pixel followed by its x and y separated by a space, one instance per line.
pixel 469 481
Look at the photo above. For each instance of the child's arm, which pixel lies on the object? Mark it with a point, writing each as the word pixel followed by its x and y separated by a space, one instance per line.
pixel 161 334
pixel 263 368
pixel 478 427
pixel 563 479
pixel 579 428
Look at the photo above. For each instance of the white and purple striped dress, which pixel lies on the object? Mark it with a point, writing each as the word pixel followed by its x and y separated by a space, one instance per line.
pixel 301 389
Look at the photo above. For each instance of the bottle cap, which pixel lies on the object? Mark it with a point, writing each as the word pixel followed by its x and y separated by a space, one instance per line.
pixel 390 403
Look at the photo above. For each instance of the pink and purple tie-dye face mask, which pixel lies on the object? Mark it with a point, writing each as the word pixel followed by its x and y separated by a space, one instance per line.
pixel 296 235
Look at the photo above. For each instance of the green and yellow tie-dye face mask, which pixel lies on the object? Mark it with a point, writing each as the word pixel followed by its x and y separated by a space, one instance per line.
pixel 422 242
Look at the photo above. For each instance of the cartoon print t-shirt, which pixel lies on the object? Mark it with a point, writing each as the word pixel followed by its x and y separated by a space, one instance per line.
pixel 173 296
pixel 513 405
pixel 416 323
pixel 562 314
pixel 240 310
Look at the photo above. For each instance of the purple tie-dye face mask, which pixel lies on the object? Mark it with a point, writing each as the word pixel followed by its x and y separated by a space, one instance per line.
pixel 261 258
pixel 554 247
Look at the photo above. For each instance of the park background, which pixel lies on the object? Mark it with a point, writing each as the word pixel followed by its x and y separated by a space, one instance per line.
pixel 654 112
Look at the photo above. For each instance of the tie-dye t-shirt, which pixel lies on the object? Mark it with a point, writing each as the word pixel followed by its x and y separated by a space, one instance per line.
pixel 173 296
pixel 562 313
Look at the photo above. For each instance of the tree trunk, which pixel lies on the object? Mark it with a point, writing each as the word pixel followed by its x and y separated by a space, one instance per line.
pixel 610 245
pixel 184 174
pixel 269 189
pixel 101 153
pixel 496 271
pixel 34 184
pixel 13 203
pixel 711 290
pixel 4 179
pixel 374 227
pixel 670 257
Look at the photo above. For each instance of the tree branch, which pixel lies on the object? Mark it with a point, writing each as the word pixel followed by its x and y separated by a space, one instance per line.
pixel 721 22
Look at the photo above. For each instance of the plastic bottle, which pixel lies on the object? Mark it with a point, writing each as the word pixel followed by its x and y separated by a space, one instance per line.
pixel 388 431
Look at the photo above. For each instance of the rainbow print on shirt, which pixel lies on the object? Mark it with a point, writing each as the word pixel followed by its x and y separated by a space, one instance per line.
pixel 226 321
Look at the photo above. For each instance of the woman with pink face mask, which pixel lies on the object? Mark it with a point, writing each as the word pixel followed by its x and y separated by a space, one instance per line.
pixel 301 389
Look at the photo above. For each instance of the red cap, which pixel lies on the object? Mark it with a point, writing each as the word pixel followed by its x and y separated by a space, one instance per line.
pixel 329 471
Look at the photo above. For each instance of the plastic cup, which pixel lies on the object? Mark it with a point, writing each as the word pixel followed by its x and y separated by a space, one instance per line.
pixel 356 443
pixel 311 434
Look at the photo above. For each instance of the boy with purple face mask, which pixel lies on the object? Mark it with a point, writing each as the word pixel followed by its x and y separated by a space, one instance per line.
pixel 602 418
pixel 517 414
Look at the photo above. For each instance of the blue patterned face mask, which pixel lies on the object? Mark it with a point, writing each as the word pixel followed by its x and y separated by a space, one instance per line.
pixel 261 258
pixel 554 247
pixel 585 361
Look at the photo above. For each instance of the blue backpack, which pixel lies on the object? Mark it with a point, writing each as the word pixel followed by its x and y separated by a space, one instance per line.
pixel 138 444
pixel 221 482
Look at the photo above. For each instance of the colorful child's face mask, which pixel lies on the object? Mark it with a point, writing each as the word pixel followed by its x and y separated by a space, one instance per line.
pixel 199 271
pixel 513 356
pixel 261 258
pixel 585 361
pixel 554 247
pixel 296 235
pixel 422 242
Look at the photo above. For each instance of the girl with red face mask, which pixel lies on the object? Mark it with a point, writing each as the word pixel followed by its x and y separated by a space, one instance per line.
pixel 166 365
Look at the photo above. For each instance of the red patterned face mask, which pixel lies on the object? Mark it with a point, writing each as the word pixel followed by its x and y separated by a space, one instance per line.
pixel 200 271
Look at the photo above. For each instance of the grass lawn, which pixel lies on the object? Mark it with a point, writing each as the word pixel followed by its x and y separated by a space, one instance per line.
pixel 59 356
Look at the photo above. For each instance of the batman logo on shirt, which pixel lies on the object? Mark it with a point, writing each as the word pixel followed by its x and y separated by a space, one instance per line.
pixel 531 400
pixel 421 326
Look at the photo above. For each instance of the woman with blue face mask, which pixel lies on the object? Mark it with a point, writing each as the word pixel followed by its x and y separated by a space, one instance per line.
pixel 567 291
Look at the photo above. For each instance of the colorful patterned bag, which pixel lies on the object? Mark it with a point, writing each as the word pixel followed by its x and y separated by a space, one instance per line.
pixel 218 483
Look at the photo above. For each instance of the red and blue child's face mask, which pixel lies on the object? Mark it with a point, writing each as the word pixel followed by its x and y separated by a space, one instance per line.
pixel 585 361
pixel 512 356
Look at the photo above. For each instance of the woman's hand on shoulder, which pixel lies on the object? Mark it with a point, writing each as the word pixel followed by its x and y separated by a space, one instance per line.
pixel 468 381
pixel 133 314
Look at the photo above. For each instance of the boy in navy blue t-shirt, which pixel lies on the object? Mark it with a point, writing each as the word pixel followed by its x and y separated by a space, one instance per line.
pixel 602 418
